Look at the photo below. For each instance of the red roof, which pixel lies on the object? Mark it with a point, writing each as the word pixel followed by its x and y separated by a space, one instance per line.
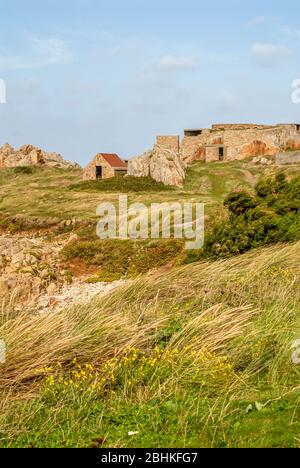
pixel 113 160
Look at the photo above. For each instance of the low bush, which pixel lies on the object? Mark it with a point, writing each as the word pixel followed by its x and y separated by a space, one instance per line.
pixel 122 185
pixel 269 216
pixel 25 170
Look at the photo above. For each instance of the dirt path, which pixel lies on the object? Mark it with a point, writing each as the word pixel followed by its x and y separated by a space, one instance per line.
pixel 249 177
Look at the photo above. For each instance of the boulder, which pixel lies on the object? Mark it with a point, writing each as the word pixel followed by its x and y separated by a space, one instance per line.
pixel 263 161
pixel 162 164
pixel 140 166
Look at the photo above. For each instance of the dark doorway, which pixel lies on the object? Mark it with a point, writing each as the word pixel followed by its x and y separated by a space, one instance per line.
pixel 221 153
pixel 98 172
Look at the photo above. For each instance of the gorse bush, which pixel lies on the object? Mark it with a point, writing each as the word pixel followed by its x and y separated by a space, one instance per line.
pixel 269 216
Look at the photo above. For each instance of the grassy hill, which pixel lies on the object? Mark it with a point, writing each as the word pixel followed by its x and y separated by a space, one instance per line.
pixel 198 356
pixel 182 356
pixel 48 196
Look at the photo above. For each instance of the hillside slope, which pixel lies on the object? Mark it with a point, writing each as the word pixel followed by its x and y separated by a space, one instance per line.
pixel 49 196
pixel 200 356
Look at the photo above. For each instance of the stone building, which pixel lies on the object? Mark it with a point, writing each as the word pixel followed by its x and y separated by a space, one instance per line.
pixel 105 166
pixel 168 160
pixel 227 142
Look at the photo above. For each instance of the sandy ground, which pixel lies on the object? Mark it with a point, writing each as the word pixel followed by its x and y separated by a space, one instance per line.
pixel 77 293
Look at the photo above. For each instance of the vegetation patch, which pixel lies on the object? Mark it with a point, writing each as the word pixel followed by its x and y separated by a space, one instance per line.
pixel 269 216
pixel 121 184
pixel 200 356
pixel 118 258
pixel 26 170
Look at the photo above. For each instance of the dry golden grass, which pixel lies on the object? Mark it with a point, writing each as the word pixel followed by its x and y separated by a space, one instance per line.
pixel 46 192
pixel 227 307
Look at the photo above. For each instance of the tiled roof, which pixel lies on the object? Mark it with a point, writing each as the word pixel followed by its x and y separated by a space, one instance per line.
pixel 113 160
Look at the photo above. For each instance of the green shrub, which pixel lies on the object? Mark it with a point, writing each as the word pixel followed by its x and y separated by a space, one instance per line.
pixel 239 203
pixel 122 185
pixel 271 216
pixel 25 170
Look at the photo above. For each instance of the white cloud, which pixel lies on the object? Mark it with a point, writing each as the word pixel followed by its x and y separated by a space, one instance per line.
pixel 270 55
pixel 174 62
pixel 41 52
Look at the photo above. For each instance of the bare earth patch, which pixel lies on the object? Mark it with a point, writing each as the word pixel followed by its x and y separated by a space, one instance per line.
pixel 78 293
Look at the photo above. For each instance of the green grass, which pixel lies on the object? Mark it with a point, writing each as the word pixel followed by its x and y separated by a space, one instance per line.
pixel 117 258
pixel 198 356
pixel 172 421
pixel 193 356
pixel 45 196
pixel 217 179
pixel 127 184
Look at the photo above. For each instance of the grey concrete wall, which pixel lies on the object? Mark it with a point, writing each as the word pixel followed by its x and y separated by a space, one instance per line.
pixel 292 157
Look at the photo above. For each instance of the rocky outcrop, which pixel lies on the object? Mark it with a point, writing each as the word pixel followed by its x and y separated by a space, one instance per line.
pixel 263 161
pixel 32 276
pixel 27 267
pixel 257 148
pixel 29 155
pixel 162 164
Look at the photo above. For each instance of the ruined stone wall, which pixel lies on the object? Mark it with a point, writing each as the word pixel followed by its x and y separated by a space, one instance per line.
pixel 171 143
pixel 292 157
pixel 190 148
pixel 239 126
pixel 242 143
pixel 259 142
pixel 211 153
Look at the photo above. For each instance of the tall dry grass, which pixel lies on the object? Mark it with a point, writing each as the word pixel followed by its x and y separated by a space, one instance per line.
pixel 245 307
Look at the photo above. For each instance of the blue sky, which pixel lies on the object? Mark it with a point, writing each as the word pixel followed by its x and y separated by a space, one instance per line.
pixel 88 76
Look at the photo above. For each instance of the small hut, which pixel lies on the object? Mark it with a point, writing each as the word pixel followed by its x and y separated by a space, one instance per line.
pixel 105 166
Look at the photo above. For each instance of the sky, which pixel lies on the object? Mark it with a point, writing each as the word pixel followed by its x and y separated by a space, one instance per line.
pixel 89 76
